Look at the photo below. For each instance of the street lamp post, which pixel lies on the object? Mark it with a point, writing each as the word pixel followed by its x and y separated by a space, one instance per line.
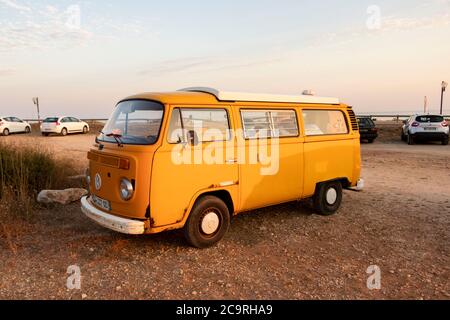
pixel 443 87
pixel 36 103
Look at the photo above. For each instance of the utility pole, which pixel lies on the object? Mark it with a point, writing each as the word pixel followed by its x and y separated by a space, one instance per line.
pixel 36 102
pixel 425 105
pixel 443 87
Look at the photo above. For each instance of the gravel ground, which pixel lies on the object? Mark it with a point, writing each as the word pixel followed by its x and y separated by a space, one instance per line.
pixel 401 223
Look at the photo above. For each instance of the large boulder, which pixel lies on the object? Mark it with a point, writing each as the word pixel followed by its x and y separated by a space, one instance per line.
pixel 61 196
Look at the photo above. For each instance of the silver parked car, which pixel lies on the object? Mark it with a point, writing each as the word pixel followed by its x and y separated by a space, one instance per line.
pixel 63 126
pixel 13 125
pixel 425 127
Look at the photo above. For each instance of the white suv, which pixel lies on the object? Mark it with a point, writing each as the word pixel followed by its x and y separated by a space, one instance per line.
pixel 13 125
pixel 63 126
pixel 425 127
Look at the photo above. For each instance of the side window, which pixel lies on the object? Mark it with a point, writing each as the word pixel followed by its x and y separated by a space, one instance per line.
pixel 285 122
pixel 256 124
pixel 269 123
pixel 74 120
pixel 63 120
pixel 324 122
pixel 175 133
pixel 208 124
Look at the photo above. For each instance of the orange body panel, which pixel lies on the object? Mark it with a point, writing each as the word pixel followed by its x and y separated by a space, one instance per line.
pixel 165 192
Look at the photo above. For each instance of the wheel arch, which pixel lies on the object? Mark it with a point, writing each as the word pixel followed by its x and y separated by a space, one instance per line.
pixel 222 194
pixel 346 183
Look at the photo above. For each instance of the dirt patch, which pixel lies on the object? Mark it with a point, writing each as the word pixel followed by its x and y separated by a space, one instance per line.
pixel 401 223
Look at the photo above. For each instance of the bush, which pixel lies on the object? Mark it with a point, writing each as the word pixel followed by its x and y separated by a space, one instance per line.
pixel 24 172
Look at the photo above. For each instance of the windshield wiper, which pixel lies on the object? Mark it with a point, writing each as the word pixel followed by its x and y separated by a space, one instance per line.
pixel 116 137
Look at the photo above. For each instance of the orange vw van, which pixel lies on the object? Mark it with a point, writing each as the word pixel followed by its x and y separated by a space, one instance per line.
pixel 194 158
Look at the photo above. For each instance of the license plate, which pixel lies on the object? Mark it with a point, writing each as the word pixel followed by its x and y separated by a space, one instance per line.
pixel 430 129
pixel 105 204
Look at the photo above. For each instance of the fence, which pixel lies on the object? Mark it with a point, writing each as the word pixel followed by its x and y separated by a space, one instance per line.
pixel 397 118
pixel 85 120
pixel 384 117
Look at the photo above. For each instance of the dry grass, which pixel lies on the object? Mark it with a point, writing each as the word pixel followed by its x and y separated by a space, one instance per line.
pixel 389 131
pixel 24 172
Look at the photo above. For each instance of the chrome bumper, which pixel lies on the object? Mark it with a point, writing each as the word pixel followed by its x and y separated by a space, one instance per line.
pixel 359 186
pixel 122 225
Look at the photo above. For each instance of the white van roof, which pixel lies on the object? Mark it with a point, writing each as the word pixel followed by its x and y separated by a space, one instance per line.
pixel 261 97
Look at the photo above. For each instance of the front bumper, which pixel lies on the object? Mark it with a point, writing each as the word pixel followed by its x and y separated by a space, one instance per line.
pixel 122 225
pixel 359 186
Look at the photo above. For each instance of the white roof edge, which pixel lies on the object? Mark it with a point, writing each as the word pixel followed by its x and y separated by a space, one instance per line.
pixel 261 97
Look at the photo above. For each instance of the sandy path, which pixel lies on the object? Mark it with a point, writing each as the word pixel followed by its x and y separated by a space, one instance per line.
pixel 401 223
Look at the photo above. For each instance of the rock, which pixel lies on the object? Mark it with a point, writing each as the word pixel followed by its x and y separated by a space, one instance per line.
pixel 61 196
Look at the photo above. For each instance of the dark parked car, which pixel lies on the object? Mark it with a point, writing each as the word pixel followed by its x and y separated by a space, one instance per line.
pixel 367 129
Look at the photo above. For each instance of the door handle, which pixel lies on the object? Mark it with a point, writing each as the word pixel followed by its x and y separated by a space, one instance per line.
pixel 230 161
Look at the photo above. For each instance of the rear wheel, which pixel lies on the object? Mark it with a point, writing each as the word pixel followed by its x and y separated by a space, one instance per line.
pixel 328 198
pixel 445 142
pixel 403 136
pixel 45 134
pixel 27 130
pixel 208 222
pixel 64 132
pixel 6 132
pixel 410 140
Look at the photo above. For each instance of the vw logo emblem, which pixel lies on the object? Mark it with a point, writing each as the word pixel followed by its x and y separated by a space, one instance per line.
pixel 98 181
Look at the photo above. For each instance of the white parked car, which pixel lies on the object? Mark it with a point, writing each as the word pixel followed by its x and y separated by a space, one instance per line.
pixel 425 127
pixel 13 125
pixel 63 126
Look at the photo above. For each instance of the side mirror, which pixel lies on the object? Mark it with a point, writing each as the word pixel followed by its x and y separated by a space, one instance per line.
pixel 192 138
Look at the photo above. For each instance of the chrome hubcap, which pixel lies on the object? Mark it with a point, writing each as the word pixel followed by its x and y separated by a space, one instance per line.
pixel 210 223
pixel 331 196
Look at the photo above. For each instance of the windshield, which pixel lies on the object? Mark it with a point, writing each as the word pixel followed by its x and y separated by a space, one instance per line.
pixel 424 119
pixel 135 122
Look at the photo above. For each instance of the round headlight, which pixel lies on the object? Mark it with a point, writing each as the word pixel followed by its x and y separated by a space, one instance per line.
pixel 126 189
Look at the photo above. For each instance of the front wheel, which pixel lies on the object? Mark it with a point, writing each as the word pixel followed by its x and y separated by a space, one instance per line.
pixel 27 130
pixel 6 132
pixel 208 222
pixel 85 130
pixel 328 198
pixel 371 140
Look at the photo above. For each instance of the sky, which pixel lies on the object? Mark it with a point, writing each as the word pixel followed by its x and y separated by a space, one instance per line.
pixel 81 57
